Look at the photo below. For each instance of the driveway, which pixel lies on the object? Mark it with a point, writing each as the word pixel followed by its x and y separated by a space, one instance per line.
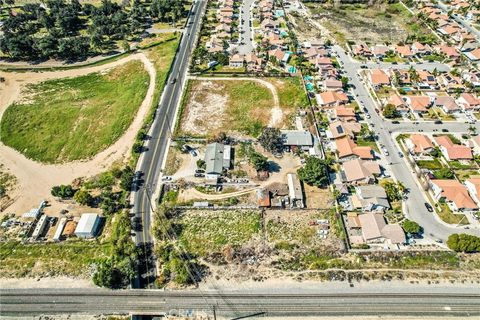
pixel 414 206
pixel 245 29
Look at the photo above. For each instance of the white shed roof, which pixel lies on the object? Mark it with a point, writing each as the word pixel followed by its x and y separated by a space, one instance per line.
pixel 86 223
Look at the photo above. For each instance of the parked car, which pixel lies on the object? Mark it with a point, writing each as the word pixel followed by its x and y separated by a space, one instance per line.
pixel 444 130
pixel 199 175
pixel 396 122
pixel 167 178
pixel 429 207
pixel 438 122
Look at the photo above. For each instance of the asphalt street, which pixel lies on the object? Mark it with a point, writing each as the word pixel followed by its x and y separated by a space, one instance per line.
pixel 246 34
pixel 465 24
pixel 322 301
pixel 414 205
pixel 150 164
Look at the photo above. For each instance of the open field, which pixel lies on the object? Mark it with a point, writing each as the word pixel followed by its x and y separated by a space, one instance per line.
pixel 75 118
pixel 35 179
pixel 241 105
pixel 374 23
pixel 70 258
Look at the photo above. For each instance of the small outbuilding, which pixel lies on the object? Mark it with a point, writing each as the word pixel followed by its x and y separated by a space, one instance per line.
pixel 88 226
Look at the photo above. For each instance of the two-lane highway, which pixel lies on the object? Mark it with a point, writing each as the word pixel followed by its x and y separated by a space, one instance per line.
pixel 150 163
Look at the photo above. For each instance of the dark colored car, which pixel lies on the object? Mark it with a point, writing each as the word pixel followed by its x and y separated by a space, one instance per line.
pixel 444 130
pixel 396 122
pixel 438 122
pixel 429 207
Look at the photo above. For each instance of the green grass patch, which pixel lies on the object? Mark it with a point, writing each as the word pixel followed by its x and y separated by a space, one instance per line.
pixel 70 258
pixel 449 217
pixel 434 164
pixel 75 118
pixel 205 232
pixel 290 92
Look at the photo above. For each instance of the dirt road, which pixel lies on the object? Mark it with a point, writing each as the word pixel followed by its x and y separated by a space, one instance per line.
pixel 36 179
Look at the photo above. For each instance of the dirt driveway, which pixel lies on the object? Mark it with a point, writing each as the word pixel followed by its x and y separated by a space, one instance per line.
pixel 36 179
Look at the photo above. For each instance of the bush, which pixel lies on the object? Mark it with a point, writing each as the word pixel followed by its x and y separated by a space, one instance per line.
pixel 83 198
pixel 62 191
pixel 410 226
pixel 463 243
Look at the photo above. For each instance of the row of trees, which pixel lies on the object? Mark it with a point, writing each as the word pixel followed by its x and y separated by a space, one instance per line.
pixel 464 243
pixel 70 30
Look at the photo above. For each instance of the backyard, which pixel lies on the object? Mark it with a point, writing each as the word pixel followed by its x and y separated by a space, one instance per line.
pixel 75 118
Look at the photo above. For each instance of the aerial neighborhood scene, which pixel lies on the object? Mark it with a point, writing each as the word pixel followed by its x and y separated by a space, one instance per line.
pixel 230 159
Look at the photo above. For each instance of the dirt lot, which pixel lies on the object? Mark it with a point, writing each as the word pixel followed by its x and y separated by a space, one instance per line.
pixel 317 198
pixel 378 22
pixel 237 105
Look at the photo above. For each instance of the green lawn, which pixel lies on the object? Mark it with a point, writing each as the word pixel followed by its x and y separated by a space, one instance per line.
pixel 205 232
pixel 434 164
pixel 75 118
pixel 68 258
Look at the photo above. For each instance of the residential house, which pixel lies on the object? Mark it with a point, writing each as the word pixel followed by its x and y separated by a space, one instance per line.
pixel 297 139
pixel 370 198
pixel 419 144
pixel 344 114
pixel 217 159
pixel 254 63
pixel 380 51
pixel 448 51
pixel 332 84
pixel 453 151
pixel 347 149
pixel 340 129
pixel 379 78
pixel 400 105
pixel 404 51
pixel 418 104
pixel 426 80
pixel 358 171
pixel 475 144
pixel 420 49
pixel 236 61
pixel 454 194
pixel 331 98
pixel 447 103
pixel 473 187
pixel 473 55
pixel 376 230
pixel 469 102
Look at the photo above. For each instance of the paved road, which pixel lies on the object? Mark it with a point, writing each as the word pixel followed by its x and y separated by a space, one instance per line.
pixel 416 301
pixel 246 34
pixel 156 148
pixel 465 24
pixel 415 208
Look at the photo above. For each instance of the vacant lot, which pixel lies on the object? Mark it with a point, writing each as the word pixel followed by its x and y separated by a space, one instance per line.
pixel 206 232
pixel 242 106
pixel 375 23
pixel 75 118
pixel 70 258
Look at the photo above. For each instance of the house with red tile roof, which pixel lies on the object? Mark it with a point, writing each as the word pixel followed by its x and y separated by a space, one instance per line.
pixel 399 103
pixel 331 98
pixel 454 193
pixel 419 144
pixel 379 78
pixel 418 104
pixel 453 151
pixel 473 55
pixel 447 104
pixel 347 149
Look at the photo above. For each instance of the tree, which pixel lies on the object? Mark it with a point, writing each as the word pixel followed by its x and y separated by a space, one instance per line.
pixel 126 178
pixel 62 191
pixel 83 197
pixel 271 140
pixel 390 111
pixel 201 164
pixel 108 275
pixel 137 147
pixel 411 227
pixel 463 243
pixel 393 190
pixel 315 172
pixel 258 161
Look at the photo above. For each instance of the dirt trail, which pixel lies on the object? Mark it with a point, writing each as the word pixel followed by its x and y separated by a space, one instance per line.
pixel 276 112
pixel 36 179
pixel 195 194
